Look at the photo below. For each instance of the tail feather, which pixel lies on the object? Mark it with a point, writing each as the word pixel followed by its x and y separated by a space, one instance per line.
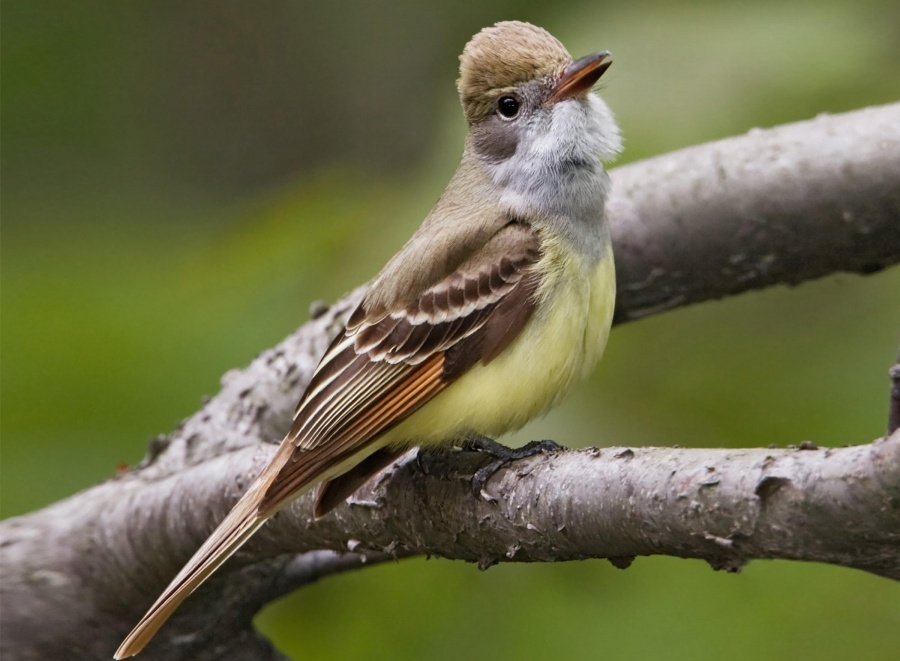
pixel 236 529
pixel 282 480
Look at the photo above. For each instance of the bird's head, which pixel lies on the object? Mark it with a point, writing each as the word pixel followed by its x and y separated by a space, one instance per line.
pixel 531 112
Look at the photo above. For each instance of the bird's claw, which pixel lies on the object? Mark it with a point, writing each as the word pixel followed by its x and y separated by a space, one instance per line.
pixel 503 456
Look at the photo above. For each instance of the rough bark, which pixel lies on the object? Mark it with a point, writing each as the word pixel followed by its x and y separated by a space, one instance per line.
pixel 778 206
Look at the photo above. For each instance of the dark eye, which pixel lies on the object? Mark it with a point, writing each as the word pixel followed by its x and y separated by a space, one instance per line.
pixel 508 106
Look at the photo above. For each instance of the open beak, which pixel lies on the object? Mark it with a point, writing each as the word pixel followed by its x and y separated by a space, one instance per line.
pixel 580 76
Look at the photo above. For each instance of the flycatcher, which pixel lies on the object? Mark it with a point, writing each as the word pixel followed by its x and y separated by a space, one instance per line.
pixel 498 304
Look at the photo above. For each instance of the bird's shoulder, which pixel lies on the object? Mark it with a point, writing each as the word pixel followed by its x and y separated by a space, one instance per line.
pixel 473 272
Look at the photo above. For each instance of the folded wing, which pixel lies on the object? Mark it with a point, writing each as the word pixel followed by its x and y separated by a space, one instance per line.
pixel 386 365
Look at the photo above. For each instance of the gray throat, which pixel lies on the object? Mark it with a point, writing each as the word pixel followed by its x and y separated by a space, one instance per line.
pixel 566 195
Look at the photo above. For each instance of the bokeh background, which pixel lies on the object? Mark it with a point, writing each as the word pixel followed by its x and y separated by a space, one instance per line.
pixel 181 180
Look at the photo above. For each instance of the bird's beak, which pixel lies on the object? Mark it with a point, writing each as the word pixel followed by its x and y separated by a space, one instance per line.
pixel 580 76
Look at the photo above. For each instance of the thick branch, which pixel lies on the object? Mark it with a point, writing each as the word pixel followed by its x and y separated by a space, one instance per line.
pixel 725 506
pixel 778 206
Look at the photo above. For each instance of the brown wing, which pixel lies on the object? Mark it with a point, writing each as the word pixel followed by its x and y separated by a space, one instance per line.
pixel 384 367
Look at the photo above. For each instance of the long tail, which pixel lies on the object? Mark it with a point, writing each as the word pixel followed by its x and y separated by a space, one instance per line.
pixel 280 481
pixel 244 519
pixel 236 529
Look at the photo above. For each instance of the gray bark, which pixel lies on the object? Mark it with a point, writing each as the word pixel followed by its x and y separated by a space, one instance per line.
pixel 779 206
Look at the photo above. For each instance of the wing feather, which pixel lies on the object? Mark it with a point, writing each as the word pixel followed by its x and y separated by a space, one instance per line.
pixel 388 363
pixel 355 433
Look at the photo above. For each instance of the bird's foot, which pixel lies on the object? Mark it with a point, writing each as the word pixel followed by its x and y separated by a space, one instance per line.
pixel 503 456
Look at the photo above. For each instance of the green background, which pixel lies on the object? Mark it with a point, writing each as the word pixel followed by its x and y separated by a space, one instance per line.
pixel 182 180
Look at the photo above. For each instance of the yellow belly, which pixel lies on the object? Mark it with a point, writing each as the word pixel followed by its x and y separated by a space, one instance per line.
pixel 559 346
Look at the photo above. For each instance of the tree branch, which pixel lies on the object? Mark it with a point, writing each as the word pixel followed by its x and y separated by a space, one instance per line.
pixel 778 206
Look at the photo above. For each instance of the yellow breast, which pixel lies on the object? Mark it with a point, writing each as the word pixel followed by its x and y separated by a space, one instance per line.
pixel 560 345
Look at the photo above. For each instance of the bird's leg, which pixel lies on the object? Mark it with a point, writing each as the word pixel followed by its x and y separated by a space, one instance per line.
pixel 503 456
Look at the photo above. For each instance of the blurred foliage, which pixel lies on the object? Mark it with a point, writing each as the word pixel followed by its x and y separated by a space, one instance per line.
pixel 182 180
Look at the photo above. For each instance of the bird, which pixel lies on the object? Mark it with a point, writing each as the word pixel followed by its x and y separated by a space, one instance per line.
pixel 494 309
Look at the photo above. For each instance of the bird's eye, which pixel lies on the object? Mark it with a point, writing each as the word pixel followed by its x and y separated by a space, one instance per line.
pixel 508 106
